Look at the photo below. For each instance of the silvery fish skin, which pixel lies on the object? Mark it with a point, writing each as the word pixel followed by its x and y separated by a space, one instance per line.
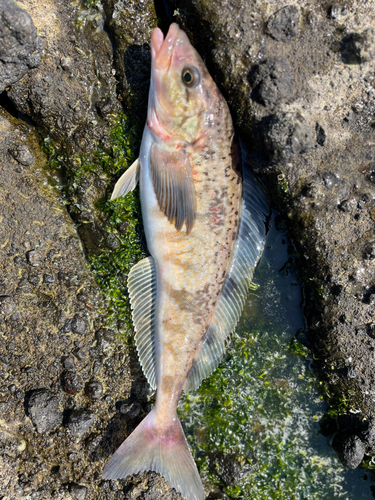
pixel 204 244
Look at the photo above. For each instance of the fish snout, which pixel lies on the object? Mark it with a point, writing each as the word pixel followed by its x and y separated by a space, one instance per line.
pixel 162 48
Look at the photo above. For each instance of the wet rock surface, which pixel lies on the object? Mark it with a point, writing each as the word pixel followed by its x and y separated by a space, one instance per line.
pixel 314 145
pixel 21 49
pixel 300 83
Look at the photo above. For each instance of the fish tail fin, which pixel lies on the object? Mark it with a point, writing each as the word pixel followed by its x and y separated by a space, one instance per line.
pixel 161 448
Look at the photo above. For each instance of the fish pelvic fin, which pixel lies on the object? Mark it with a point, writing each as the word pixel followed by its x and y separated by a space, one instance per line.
pixel 161 448
pixel 128 181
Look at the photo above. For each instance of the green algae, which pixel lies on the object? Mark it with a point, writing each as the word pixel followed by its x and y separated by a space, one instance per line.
pixel 254 425
pixel 120 220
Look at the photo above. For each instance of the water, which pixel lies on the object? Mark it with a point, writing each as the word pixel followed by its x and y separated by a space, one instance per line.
pixel 262 408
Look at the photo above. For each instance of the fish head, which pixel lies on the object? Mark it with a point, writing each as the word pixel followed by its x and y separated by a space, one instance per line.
pixel 179 87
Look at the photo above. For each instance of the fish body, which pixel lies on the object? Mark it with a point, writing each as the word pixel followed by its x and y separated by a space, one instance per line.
pixel 188 295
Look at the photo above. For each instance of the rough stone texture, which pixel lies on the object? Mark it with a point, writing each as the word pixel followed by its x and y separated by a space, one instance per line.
pixel 349 448
pixel 42 447
pixel 314 143
pixel 316 149
pixel 63 95
pixel 44 411
pixel 20 47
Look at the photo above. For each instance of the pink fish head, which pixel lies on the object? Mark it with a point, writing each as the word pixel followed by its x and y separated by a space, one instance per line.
pixel 179 87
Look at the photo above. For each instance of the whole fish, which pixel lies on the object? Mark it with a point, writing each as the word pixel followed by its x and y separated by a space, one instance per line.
pixel 204 224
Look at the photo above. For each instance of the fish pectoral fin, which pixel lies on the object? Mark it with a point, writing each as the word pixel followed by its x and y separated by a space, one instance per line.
pixel 142 292
pixel 172 178
pixel 128 181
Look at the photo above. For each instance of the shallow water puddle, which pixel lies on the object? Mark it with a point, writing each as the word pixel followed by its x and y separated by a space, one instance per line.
pixel 254 424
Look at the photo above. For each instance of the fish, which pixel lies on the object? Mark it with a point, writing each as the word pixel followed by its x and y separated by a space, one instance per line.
pixel 204 221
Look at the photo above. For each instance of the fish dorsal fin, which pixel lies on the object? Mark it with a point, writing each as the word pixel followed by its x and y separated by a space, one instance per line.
pixel 127 181
pixel 173 183
pixel 249 247
pixel 142 291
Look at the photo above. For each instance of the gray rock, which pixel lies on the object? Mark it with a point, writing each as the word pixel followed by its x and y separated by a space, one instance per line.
pixel 78 325
pixel 94 390
pixel 7 305
pixel 22 154
pixel 44 410
pixel 283 25
pixel 71 382
pixel 287 134
pixel 80 421
pixel 272 81
pixel 77 491
pixel 20 47
pixel 349 448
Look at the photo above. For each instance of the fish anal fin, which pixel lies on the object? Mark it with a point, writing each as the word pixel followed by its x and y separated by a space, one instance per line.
pixel 249 248
pixel 142 292
pixel 172 178
pixel 128 181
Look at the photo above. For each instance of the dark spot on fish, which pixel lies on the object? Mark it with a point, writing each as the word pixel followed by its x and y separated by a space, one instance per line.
pixel 233 236
pixel 230 288
pixel 224 273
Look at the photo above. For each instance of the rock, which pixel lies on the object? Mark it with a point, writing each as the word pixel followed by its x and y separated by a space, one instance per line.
pixel 272 81
pixel 44 410
pixel 22 154
pixel 131 409
pixel 357 48
pixel 34 258
pixel 229 468
pixel 286 134
pixel 80 421
pixel 283 25
pixel 20 47
pixel 7 305
pixel 94 390
pixel 321 136
pixel 78 325
pixel 71 382
pixel 77 491
pixel 349 448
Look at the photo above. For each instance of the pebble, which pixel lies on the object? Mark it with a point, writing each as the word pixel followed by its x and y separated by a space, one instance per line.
pixel 80 421
pixel 71 382
pixel 321 136
pixel 44 410
pixel 130 409
pixel 94 390
pixel 78 325
pixel 34 258
pixel 329 180
pixel 68 362
pixel 22 154
pixel 272 81
pixel 77 491
pixel 283 25
pixel 349 448
pixel 7 305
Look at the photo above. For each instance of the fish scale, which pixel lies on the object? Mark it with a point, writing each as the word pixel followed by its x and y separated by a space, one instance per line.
pixel 204 225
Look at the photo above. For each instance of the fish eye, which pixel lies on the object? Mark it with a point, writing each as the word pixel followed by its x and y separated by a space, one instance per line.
pixel 190 76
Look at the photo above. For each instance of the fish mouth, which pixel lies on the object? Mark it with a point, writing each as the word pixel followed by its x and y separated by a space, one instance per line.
pixel 162 48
